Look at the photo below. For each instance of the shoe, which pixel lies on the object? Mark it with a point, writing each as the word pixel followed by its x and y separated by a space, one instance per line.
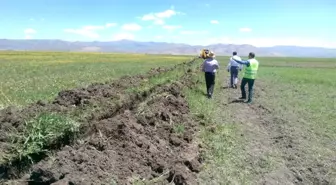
pixel 242 98
pixel 249 101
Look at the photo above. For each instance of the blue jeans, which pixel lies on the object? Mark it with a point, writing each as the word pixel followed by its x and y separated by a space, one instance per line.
pixel 234 74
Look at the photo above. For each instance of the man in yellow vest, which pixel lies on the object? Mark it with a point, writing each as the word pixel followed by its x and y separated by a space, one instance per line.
pixel 250 75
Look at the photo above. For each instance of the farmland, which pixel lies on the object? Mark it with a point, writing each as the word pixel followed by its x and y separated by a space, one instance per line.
pixel 42 75
pixel 77 116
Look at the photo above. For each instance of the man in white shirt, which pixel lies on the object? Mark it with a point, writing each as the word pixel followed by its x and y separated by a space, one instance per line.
pixel 233 68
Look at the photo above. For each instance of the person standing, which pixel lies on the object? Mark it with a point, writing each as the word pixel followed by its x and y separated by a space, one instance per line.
pixel 209 67
pixel 250 75
pixel 233 68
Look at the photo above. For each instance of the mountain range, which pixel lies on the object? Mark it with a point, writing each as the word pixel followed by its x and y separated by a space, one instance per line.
pixel 130 46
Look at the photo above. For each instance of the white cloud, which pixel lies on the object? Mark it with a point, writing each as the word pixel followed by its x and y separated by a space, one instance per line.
pixel 152 17
pixel 29 31
pixel 28 37
pixel 158 37
pixel 148 17
pixel 159 17
pixel 159 22
pixel 171 27
pixel 165 14
pixel 245 29
pixel 89 30
pixel 214 22
pixel 122 36
pixel 83 32
pixel 131 27
pixel 108 25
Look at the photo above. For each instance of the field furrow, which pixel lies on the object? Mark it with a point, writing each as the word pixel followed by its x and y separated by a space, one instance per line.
pixel 126 131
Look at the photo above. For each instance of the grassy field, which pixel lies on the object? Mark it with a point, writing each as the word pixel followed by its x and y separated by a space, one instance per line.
pixel 26 77
pixel 287 136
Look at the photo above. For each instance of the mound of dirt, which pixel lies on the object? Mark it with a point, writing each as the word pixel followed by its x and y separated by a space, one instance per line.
pixel 147 136
pixel 154 139
pixel 67 100
pixel 12 118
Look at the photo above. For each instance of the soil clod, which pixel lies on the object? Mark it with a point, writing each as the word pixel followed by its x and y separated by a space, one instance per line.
pixel 121 134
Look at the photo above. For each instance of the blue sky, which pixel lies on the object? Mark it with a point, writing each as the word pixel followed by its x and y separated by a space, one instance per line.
pixel 258 22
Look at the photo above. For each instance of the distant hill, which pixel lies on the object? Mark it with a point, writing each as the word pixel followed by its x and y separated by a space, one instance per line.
pixel 162 48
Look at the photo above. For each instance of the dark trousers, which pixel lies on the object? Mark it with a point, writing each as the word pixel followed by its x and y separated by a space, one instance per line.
pixel 210 83
pixel 250 83
pixel 234 74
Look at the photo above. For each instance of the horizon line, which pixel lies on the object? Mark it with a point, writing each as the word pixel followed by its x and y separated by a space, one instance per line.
pixel 64 40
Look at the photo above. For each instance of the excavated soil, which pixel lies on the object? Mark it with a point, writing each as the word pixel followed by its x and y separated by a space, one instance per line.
pixel 131 136
pixel 142 142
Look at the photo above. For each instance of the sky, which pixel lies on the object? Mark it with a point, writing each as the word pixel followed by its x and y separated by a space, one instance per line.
pixel 260 22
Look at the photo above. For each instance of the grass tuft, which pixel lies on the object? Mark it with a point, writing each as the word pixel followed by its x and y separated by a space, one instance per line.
pixel 41 132
pixel 179 128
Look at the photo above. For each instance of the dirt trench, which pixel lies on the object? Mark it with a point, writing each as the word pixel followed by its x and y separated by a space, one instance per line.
pixel 112 95
pixel 146 136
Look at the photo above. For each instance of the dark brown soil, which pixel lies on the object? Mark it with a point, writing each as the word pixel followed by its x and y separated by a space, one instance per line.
pixel 146 135
pixel 135 142
pixel 12 118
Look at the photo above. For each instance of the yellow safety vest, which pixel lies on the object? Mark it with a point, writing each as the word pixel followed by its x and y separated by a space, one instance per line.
pixel 251 71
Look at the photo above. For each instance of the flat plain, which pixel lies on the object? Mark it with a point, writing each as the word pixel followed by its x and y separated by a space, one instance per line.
pixel 68 114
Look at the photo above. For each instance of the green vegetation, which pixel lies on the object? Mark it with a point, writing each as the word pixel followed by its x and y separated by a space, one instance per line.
pixel 287 135
pixel 179 128
pixel 44 130
pixel 47 129
pixel 160 79
pixel 26 77
pixel 294 101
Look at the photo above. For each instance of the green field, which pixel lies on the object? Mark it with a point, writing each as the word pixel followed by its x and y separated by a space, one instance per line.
pixel 30 76
pixel 287 136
